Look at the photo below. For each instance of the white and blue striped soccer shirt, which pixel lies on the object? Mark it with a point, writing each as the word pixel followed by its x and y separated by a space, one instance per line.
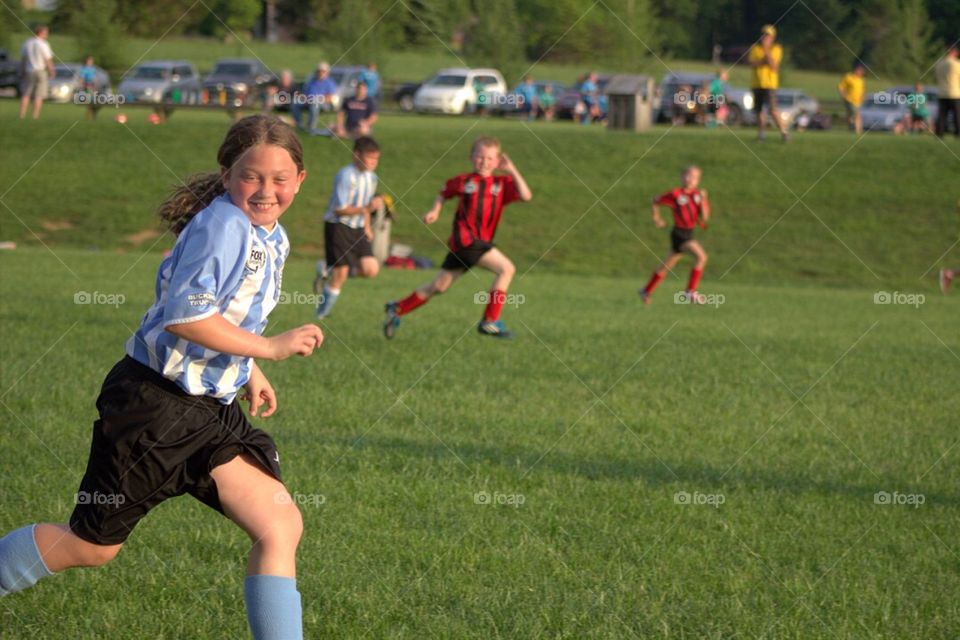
pixel 351 188
pixel 221 263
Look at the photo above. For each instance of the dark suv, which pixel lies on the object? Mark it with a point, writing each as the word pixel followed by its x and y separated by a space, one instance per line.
pixel 9 72
pixel 237 81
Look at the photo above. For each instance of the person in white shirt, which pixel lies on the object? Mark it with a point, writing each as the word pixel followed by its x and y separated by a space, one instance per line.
pixel 36 69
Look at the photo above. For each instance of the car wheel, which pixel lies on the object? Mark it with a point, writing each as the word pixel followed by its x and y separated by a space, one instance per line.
pixel 406 102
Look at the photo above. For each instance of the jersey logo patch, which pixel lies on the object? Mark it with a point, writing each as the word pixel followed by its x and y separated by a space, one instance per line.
pixel 470 187
pixel 495 189
pixel 256 259
pixel 696 198
pixel 682 200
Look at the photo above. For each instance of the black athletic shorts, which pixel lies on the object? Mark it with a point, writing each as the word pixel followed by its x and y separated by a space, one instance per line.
pixel 764 97
pixel 154 441
pixel 679 237
pixel 467 257
pixel 345 246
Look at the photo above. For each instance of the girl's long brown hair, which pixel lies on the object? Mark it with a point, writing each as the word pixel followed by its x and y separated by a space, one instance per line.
pixel 200 189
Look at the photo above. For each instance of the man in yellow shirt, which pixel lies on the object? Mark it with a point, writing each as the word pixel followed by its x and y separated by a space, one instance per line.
pixel 765 58
pixel 948 83
pixel 851 89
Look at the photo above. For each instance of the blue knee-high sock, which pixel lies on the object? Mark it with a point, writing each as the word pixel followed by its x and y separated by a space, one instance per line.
pixel 329 299
pixel 20 562
pixel 273 608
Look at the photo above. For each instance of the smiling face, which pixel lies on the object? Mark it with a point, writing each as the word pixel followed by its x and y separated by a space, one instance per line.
pixel 263 183
pixel 366 161
pixel 485 159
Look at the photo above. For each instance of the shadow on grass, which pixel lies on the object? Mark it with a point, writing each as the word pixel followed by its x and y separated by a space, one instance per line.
pixel 651 471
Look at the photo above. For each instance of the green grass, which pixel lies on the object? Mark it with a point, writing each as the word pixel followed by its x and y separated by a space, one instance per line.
pixel 794 402
pixel 873 213
pixel 416 65
pixel 794 405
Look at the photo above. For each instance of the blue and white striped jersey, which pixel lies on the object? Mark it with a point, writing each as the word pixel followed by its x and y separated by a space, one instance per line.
pixel 221 263
pixel 351 188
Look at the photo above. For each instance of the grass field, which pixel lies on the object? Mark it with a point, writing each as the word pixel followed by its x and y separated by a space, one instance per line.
pixel 617 471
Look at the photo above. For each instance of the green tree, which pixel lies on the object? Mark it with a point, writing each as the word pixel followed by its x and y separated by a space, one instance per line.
pixel 493 37
pixel 98 33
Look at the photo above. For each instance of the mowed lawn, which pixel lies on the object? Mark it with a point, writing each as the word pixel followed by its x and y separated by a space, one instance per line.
pixel 781 464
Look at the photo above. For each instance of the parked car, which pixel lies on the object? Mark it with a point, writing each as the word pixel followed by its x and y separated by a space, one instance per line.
pixel 510 106
pixel 883 110
pixel 9 72
pixel 153 81
pixel 569 97
pixel 403 95
pixel 346 78
pixel 459 90
pixel 794 103
pixel 739 101
pixel 66 82
pixel 236 80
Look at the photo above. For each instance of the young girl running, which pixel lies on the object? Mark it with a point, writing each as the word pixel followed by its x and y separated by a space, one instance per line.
pixel 690 207
pixel 168 422
pixel 483 196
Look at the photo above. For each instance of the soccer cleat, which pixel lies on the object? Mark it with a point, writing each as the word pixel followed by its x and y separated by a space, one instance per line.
pixel 496 329
pixel 784 137
pixel 946 279
pixel 645 296
pixel 392 321
pixel 321 278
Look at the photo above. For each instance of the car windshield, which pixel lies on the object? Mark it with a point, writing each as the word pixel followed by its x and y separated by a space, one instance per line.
pixel 786 100
pixel 448 80
pixel 64 72
pixel 151 73
pixel 233 69
pixel 337 76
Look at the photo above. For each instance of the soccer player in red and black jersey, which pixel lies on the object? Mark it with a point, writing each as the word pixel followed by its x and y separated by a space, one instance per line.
pixel 483 196
pixel 690 208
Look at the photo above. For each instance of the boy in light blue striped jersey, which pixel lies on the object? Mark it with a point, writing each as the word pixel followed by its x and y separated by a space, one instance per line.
pixel 347 230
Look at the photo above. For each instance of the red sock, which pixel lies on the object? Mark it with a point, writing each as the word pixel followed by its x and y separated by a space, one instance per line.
pixel 497 298
pixel 410 303
pixel 654 281
pixel 694 279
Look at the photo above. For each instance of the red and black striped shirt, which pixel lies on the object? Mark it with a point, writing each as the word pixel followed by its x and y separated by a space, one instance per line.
pixel 481 202
pixel 687 206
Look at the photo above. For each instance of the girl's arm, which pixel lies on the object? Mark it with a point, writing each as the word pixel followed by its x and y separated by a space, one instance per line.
pixel 215 333
pixel 705 207
pixel 506 164
pixel 431 216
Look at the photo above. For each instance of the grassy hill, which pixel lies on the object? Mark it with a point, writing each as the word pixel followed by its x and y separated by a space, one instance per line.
pixel 879 211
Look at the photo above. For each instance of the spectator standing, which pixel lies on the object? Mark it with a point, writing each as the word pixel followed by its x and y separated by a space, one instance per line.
pixel 851 88
pixel 527 92
pixel 281 96
pixel 718 97
pixel 948 80
pixel 765 58
pixel 588 96
pixel 36 69
pixel 546 102
pixel 371 78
